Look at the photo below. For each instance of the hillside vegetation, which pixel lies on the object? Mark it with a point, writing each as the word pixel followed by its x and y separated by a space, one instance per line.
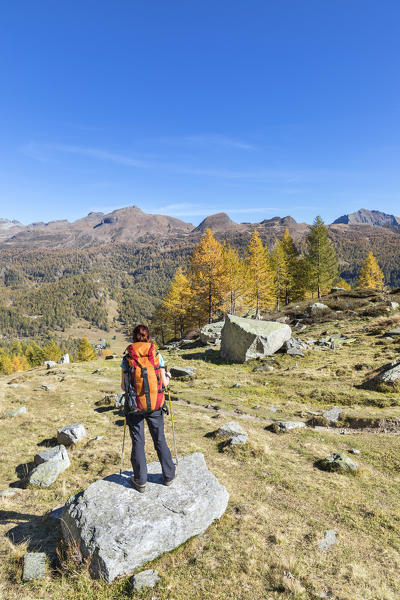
pixel 266 544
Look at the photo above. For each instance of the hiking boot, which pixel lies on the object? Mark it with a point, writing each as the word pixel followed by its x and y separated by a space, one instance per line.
pixel 139 487
pixel 168 481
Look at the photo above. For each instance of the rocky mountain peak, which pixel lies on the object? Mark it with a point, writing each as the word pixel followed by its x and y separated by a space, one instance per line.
pixel 218 222
pixel 368 217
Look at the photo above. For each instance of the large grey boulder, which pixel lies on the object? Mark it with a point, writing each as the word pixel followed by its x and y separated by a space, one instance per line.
pixel 317 307
pixel 243 339
pixel 211 333
pixel 231 429
pixel 333 414
pixel 50 364
pixel 121 529
pixel 71 434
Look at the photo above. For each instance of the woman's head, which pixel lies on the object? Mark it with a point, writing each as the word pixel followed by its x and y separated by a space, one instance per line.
pixel 141 334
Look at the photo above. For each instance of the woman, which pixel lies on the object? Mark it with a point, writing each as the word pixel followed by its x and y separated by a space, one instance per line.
pixel 142 361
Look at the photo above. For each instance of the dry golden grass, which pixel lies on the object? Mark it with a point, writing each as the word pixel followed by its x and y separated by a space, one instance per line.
pixel 266 544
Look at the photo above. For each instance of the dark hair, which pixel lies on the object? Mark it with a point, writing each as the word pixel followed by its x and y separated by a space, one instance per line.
pixel 141 334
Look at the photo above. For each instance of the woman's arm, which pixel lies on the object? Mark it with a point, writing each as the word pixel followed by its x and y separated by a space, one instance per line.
pixel 164 378
pixel 122 380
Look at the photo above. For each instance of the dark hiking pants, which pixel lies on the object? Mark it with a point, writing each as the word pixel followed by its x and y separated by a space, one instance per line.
pixel 155 422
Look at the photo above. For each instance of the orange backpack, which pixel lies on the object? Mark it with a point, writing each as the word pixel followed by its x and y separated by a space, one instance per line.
pixel 145 376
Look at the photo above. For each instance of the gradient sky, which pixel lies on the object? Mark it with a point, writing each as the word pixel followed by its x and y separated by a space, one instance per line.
pixel 257 108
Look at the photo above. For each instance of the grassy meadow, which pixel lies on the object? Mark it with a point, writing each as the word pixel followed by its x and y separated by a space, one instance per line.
pixel 266 544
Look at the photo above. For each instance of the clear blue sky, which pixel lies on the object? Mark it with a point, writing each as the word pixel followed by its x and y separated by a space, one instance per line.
pixel 253 107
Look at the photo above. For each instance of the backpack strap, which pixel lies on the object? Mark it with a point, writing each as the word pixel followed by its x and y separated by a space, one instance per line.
pixel 146 388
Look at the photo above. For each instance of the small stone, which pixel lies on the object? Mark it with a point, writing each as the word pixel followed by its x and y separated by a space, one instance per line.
pixel 288 425
pixel 119 400
pixel 8 493
pixel 71 434
pixel 354 451
pixel 236 385
pixel 183 372
pixel 317 307
pixel 329 540
pixel 23 400
pixel 14 385
pixel 64 360
pixel 268 368
pixel 50 364
pixel 144 579
pixel 34 566
pixel 15 412
pixel 99 438
pixel 394 305
pixel 256 406
pixel 338 462
pixel 238 440
pixel 47 388
pixel 231 429
pixel 333 414
pixel 394 332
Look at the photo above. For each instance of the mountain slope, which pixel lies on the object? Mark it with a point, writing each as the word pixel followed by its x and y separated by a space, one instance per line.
pixel 368 217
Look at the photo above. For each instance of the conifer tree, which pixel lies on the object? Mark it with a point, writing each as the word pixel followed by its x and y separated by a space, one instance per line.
pixel 16 364
pixel 35 355
pixel 177 302
pixel 260 290
pixel 5 363
pixel 51 351
pixel 235 275
pixel 208 276
pixel 371 275
pixel 342 283
pixel 85 350
pixel 294 288
pixel 321 258
pixel 281 268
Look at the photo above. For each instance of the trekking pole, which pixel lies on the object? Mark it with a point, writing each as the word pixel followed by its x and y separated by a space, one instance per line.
pixel 173 429
pixel 123 447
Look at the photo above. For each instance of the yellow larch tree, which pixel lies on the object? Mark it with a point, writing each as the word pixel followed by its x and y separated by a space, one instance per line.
pixel 208 276
pixel 280 267
pixel 260 290
pixel 176 305
pixel 235 276
pixel 86 350
pixel 371 275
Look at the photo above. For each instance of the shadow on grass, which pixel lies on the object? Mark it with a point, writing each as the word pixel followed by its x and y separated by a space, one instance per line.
pixel 103 409
pixel 38 532
pixel 48 442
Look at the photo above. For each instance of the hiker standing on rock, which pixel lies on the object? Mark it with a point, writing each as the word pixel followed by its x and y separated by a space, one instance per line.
pixel 143 380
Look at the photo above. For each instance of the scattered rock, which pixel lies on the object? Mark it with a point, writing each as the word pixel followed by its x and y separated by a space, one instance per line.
pixel 211 333
pixel 338 462
pixel 282 320
pixel 120 529
pixel 15 412
pixel 183 372
pixel 394 305
pixel 388 379
pixel 244 339
pixel 294 347
pixel 58 453
pixel 333 414
pixel 236 385
pixel 144 579
pixel 50 364
pixel 329 540
pixel 47 388
pixel 71 434
pixel 317 307
pixel 119 401
pixel 268 368
pixel 231 429
pixel 238 440
pixel 47 473
pixel 8 493
pixel 64 360
pixel 24 400
pixel 98 438
pixel 110 356
pixel 34 566
pixel 288 425
pixel 393 332
pixel 354 451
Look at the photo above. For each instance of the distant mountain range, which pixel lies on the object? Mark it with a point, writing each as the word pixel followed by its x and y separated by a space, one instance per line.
pixel 131 225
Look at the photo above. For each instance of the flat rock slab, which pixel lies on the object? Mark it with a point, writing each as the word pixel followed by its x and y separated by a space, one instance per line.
pixel 71 434
pixel 34 566
pixel 121 529
pixel 338 462
pixel 183 372
pixel 244 339
pixel 144 579
pixel 288 425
